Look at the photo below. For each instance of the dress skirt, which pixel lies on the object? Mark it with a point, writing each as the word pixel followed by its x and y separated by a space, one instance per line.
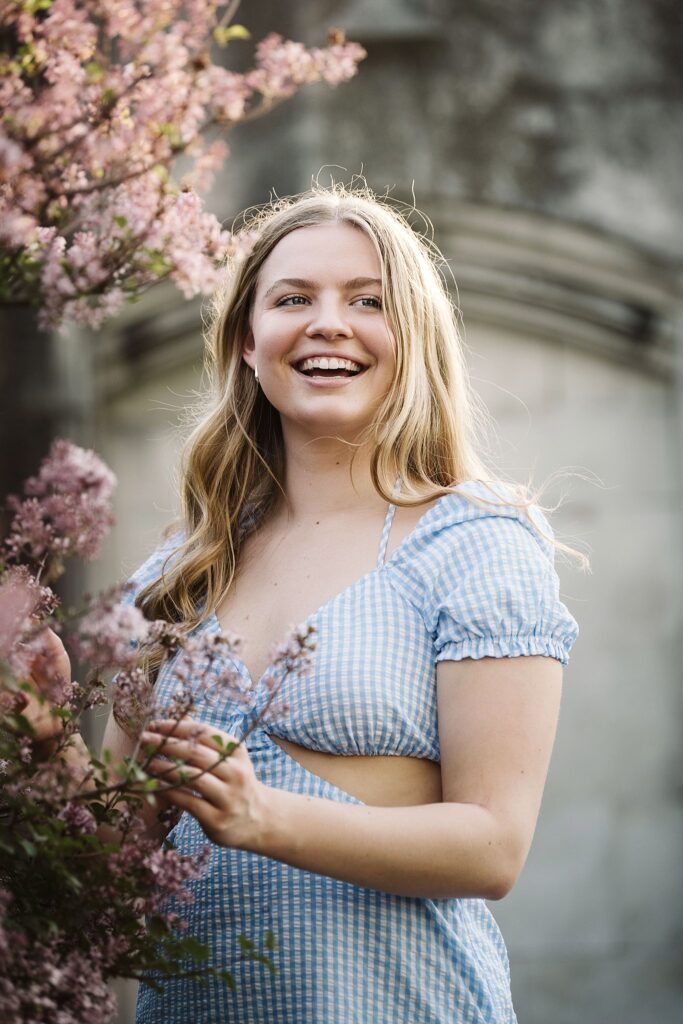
pixel 344 954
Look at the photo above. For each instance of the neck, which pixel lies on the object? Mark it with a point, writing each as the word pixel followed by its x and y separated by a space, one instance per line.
pixel 319 481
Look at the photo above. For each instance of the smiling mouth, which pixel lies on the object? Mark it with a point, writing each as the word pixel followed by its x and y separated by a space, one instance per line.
pixel 321 372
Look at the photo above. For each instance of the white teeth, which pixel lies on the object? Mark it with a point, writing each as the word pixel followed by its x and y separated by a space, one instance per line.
pixel 323 363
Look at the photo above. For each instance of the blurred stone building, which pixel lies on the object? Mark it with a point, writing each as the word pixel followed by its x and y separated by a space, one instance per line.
pixel 543 138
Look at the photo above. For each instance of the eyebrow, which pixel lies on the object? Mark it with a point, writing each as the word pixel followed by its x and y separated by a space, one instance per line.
pixel 300 282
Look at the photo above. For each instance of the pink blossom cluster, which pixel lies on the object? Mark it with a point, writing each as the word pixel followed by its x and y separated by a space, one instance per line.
pixel 78 818
pixel 46 785
pixel 132 699
pixel 162 872
pixel 64 876
pixel 45 982
pixel 66 509
pixel 100 97
pixel 21 600
pixel 24 605
pixel 202 670
pixel 283 66
pixel 108 635
pixel 292 656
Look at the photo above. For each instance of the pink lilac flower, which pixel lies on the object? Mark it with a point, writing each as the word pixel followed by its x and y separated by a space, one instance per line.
pixel 108 636
pixel 165 871
pixel 67 510
pixel 132 698
pixel 293 656
pixel 204 672
pixel 19 596
pixel 200 667
pixel 78 818
pixel 44 982
pixel 72 470
pixel 47 784
pixel 170 871
pixel 22 601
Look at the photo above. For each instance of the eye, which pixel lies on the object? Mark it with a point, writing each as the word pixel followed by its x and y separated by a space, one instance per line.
pixel 371 299
pixel 294 300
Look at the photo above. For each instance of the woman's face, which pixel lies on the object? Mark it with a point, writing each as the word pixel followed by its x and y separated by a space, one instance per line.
pixel 318 302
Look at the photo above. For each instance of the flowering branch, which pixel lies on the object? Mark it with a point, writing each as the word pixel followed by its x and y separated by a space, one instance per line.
pixel 83 889
pixel 100 98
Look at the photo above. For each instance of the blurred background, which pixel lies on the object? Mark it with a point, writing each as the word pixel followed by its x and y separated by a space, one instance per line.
pixel 544 140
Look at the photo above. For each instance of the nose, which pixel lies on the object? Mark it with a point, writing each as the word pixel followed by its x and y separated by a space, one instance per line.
pixel 328 321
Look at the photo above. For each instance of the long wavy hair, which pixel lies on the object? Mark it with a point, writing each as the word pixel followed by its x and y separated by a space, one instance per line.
pixel 430 429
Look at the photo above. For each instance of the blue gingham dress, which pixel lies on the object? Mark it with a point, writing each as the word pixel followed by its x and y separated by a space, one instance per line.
pixel 467 582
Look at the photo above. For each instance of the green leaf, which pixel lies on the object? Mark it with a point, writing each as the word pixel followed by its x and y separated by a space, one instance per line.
pixel 33 6
pixel 94 71
pixel 260 958
pixel 224 33
pixel 120 220
pixel 228 978
pixel 157 927
pixel 171 131
pixel 23 724
pixel 194 948
pixel 158 263
pixel 245 943
pixel 270 941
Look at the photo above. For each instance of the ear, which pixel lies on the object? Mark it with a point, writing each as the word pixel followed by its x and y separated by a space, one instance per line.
pixel 248 350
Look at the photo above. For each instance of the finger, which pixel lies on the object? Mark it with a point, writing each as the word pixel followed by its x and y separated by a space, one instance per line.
pixel 186 778
pixel 195 805
pixel 189 728
pixel 189 751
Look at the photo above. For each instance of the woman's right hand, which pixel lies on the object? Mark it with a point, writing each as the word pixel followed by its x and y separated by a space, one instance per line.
pixel 50 667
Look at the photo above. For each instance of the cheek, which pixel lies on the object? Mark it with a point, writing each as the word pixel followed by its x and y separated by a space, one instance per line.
pixel 270 342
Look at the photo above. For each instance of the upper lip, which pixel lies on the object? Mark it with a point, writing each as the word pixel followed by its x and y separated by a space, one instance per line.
pixel 328 355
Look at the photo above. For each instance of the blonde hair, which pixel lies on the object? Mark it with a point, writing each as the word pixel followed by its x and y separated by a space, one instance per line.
pixel 429 430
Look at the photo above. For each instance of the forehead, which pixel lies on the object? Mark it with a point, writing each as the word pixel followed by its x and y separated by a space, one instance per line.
pixel 338 249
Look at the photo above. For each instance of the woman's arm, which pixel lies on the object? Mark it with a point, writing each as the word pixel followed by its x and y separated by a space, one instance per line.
pixel 497 722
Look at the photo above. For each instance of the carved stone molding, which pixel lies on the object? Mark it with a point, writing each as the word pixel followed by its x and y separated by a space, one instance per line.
pixel 522 272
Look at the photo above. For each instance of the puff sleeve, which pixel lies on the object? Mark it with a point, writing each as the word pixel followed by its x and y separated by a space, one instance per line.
pixel 496 593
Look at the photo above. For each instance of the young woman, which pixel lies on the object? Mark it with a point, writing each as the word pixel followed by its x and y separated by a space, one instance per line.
pixel 334 480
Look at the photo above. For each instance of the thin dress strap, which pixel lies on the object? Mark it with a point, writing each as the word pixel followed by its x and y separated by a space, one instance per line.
pixel 388 520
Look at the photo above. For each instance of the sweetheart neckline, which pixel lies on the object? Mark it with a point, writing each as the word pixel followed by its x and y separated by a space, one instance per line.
pixel 213 618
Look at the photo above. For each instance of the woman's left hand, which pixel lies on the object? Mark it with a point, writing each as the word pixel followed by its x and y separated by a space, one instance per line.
pixel 223 794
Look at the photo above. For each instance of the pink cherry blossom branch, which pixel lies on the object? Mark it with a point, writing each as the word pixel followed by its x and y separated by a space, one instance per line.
pixel 87 85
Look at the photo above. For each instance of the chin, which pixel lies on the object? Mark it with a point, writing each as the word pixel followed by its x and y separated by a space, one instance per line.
pixel 329 427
